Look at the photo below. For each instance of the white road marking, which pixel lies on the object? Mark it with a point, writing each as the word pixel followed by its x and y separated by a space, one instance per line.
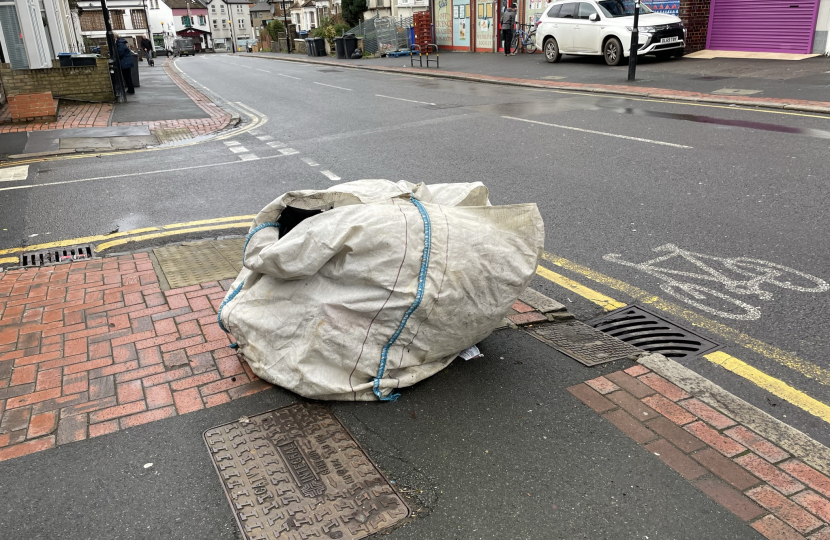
pixel 599 133
pixel 127 175
pixel 248 157
pixel 332 86
pixel 232 143
pixel 288 151
pixel 263 70
pixel 289 76
pixel 275 144
pixel 13 174
pixel 265 137
pixel 237 149
pixel 402 99
pixel 309 161
pixel 738 275
pixel 331 176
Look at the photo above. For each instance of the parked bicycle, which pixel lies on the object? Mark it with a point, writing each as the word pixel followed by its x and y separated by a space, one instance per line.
pixel 524 38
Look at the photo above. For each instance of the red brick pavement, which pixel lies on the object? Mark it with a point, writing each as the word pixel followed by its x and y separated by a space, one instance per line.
pixel 778 495
pixel 94 347
pixel 80 115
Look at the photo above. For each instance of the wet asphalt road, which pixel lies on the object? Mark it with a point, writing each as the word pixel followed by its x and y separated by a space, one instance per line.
pixel 610 176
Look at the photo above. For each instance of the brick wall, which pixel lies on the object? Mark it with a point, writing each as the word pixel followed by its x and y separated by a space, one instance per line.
pixel 84 83
pixel 31 107
pixel 695 15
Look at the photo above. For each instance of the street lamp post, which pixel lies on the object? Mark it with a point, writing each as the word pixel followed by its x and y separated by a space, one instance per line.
pixel 230 22
pixel 120 94
pixel 635 43
pixel 287 32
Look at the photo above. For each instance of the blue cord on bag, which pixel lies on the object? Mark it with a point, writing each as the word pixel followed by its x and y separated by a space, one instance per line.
pixel 422 277
pixel 254 231
pixel 228 299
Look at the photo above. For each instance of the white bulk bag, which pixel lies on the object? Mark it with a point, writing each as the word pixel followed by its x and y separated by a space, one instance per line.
pixel 382 289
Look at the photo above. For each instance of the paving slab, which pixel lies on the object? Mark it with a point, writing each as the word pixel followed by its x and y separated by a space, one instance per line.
pixel 158 98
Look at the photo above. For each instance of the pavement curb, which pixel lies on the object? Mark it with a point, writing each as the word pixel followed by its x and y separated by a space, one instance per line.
pixel 651 93
pixel 797 443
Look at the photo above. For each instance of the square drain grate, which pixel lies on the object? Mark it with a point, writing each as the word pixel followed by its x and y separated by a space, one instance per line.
pixel 642 328
pixel 46 257
pixel 584 343
pixel 296 472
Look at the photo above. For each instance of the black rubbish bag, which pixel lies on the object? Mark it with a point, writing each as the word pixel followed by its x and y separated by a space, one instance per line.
pixel 357 54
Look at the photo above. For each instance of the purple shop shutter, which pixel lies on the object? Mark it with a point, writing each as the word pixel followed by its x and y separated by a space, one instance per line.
pixel 785 26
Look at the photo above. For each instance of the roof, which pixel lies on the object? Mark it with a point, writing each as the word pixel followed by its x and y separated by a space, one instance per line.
pixel 308 3
pixel 261 7
pixel 246 2
pixel 182 4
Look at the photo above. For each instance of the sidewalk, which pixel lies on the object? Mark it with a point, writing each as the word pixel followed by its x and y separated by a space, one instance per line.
pixel 164 109
pixel 107 382
pixel 795 85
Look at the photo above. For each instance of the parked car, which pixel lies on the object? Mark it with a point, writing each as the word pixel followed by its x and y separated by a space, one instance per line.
pixel 183 47
pixel 604 27
pixel 162 51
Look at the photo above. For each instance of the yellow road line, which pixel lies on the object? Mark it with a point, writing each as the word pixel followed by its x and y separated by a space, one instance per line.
pixel 785 358
pixel 608 303
pixel 8 260
pixel 728 362
pixel 771 385
pixel 106 245
pixel 206 221
pixel 73 241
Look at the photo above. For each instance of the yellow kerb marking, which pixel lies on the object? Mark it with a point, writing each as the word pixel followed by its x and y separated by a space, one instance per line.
pixel 206 221
pixel 73 241
pixel 771 385
pixel 107 245
pixel 785 358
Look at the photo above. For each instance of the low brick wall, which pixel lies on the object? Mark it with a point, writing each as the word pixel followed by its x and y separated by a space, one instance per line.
pixel 83 83
pixel 31 107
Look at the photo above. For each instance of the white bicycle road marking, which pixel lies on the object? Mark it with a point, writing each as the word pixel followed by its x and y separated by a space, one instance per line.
pixel 741 276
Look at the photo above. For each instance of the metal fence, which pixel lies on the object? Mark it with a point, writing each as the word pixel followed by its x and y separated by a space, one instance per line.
pixel 384 34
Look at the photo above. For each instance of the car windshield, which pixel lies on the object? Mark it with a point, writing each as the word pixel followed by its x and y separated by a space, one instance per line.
pixel 617 8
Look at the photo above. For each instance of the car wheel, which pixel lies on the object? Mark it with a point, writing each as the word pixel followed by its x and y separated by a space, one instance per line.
pixel 613 52
pixel 552 53
pixel 678 53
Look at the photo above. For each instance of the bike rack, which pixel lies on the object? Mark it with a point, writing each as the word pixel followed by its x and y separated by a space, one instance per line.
pixel 417 49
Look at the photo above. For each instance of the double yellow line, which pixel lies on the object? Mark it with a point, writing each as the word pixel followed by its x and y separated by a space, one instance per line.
pixel 107 241
pixel 728 362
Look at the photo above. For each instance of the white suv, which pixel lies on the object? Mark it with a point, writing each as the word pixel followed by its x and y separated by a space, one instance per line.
pixel 604 27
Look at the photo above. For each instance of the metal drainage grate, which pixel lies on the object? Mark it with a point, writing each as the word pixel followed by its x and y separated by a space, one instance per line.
pixel 642 328
pixel 56 255
pixel 583 343
pixel 297 473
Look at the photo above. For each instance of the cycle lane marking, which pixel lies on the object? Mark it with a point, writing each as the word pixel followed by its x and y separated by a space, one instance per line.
pixel 732 364
pixel 776 354
pixel 594 132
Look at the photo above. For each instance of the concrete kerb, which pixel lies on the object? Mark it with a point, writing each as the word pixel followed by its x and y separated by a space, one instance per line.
pixel 787 437
pixel 812 107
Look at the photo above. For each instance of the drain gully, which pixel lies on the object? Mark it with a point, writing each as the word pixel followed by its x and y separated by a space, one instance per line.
pixel 583 343
pixel 45 257
pixel 641 328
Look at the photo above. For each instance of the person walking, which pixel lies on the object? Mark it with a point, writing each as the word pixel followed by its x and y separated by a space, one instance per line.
pixel 125 60
pixel 147 47
pixel 508 21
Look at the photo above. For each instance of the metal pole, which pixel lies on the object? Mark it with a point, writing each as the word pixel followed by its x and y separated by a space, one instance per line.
pixel 120 94
pixel 231 21
pixel 635 43
pixel 287 31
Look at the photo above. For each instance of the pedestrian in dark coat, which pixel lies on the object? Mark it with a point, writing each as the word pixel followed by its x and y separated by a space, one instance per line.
pixel 508 21
pixel 125 60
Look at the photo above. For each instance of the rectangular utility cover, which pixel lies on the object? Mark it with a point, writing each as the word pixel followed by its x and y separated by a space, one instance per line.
pixel 296 473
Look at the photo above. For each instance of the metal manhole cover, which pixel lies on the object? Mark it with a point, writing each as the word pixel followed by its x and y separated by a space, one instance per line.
pixel 295 473
pixel 330 70
pixel 642 328
pixel 583 343
pixel 46 257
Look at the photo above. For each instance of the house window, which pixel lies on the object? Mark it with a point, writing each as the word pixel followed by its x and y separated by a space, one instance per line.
pixel 185 22
pixel 238 8
pixel 213 8
pixel 202 20
pixel 10 26
pixel 241 23
pixel 215 24
pixel 138 19
pixel 224 23
pixel 222 8
pixel 117 18
pixel 90 21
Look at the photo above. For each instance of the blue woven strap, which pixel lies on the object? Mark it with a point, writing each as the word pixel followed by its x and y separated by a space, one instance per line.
pixel 422 277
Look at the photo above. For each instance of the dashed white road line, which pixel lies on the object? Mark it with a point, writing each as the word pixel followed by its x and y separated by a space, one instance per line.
pixel 265 138
pixel 263 70
pixel 310 162
pixel 288 151
pixel 289 76
pixel 331 176
pixel 232 143
pixel 402 99
pixel 662 143
pixel 248 157
pixel 237 149
pixel 332 86
pixel 275 144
